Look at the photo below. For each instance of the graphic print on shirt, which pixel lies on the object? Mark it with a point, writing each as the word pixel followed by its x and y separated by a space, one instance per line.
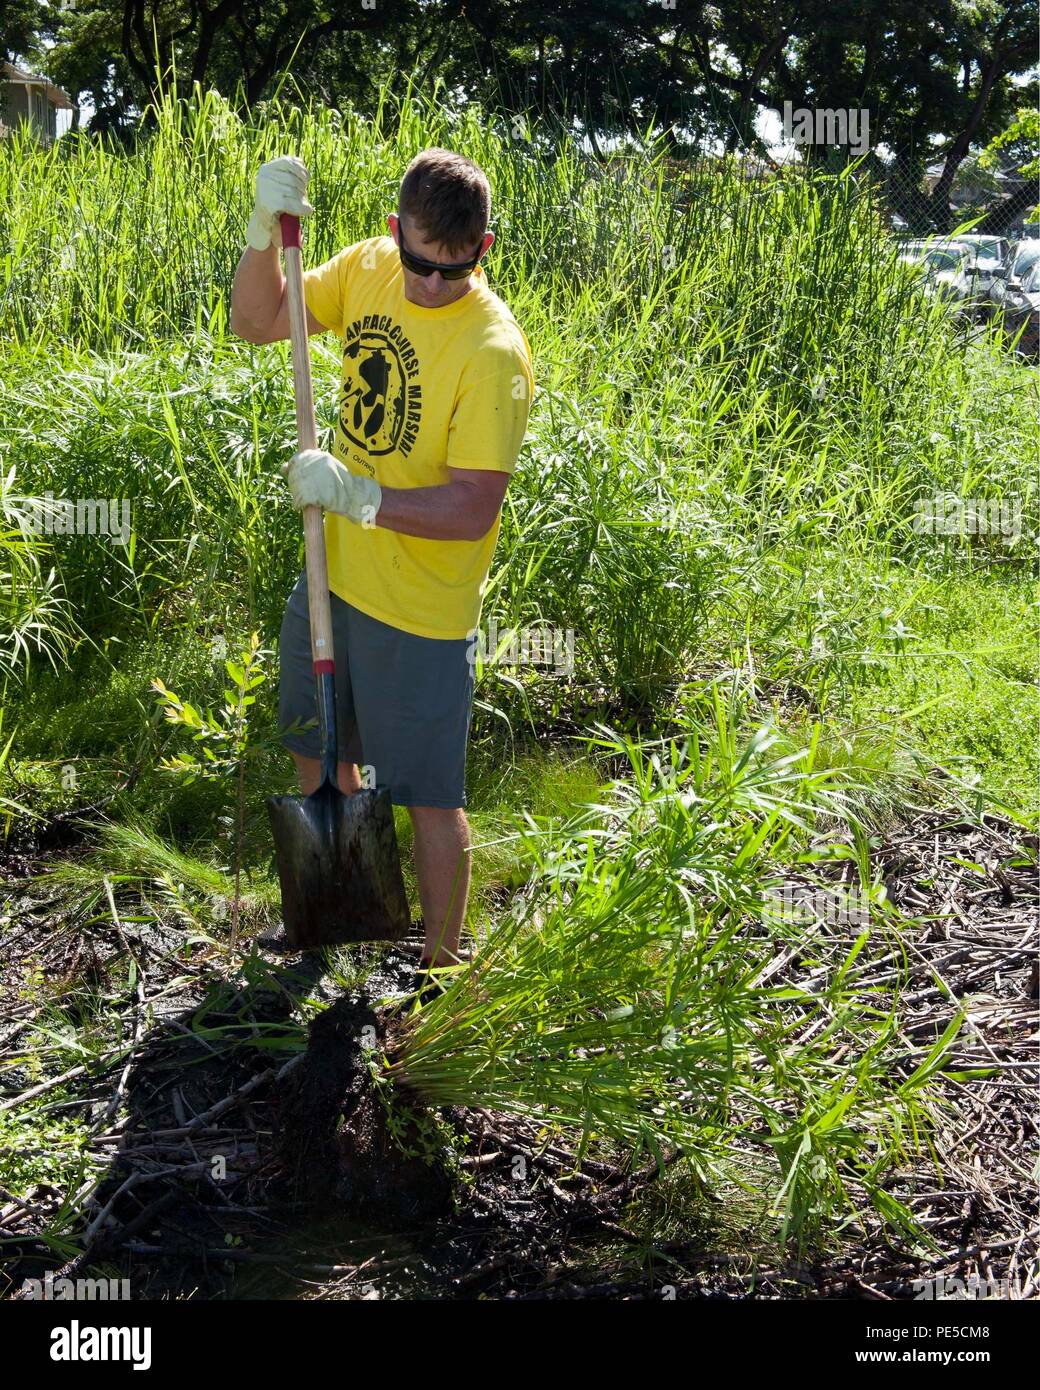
pixel 381 398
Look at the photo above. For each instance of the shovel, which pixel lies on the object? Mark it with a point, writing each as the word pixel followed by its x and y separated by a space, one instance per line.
pixel 338 862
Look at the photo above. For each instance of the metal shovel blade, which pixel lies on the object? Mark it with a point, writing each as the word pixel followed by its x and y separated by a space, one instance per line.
pixel 339 867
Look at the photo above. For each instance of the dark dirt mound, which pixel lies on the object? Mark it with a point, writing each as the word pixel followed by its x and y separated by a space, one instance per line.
pixel 334 1139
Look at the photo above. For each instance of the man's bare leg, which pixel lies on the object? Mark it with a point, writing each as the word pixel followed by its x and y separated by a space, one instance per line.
pixel 348 779
pixel 443 869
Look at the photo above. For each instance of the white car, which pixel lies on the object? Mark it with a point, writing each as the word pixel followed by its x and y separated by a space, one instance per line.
pixel 987 254
pixel 1018 308
pixel 1024 256
pixel 946 266
pixel 1009 277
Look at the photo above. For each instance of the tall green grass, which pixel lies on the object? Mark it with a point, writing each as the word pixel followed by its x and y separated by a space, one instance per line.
pixel 731 371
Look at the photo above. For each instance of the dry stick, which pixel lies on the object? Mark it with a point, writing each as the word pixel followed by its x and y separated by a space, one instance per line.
pixel 196 1037
pixel 1003 1066
pixel 34 1091
pixel 113 1104
pixel 30 1207
pixel 141 1176
pixel 215 1111
pixel 231 1136
pixel 964 1254
pixel 481 1160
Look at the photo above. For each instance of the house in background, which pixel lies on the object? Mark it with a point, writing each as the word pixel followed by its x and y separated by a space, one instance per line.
pixel 25 97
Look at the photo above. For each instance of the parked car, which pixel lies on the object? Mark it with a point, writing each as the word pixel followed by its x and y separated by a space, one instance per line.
pixel 1007 280
pixel 1020 310
pixel 1023 254
pixel 946 266
pixel 987 254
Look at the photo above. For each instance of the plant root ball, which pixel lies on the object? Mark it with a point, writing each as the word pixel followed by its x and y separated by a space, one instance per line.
pixel 334 1140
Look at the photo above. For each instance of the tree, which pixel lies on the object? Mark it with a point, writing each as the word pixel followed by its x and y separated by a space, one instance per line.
pixel 993 41
pixel 935 76
pixel 1018 145
pixel 20 23
pixel 86 62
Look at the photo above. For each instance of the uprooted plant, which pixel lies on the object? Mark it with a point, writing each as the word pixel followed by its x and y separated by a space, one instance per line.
pixel 637 996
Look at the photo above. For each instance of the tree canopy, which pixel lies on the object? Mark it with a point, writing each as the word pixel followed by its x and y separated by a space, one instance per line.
pixel 938 78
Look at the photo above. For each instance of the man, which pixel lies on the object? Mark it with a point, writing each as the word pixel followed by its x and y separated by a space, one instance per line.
pixel 434 400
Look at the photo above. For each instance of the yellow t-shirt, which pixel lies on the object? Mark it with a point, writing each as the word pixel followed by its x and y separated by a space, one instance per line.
pixel 423 390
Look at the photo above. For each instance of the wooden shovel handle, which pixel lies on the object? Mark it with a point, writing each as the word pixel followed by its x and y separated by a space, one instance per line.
pixel 307 435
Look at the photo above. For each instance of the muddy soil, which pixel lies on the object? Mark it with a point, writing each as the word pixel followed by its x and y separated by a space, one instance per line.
pixel 245 1155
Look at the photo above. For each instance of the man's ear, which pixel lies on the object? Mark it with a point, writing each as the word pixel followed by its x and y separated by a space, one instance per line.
pixel 391 222
pixel 489 238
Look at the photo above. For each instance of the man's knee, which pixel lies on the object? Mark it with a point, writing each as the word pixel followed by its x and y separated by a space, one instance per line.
pixel 438 817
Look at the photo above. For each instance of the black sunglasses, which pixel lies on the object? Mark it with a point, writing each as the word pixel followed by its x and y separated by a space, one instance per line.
pixel 420 267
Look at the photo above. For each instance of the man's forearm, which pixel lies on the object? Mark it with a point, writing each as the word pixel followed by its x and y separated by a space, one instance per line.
pixel 256 292
pixel 463 509
pixel 450 512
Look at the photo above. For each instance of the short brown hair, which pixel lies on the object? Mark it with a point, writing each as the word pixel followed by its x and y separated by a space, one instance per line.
pixel 448 198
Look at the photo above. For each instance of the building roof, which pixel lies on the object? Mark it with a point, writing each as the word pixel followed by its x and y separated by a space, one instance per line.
pixel 10 72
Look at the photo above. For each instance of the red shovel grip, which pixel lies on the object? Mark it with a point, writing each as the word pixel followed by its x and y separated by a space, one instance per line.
pixel 290 229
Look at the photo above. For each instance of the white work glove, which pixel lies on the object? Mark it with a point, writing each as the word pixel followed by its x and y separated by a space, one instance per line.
pixel 281 186
pixel 318 479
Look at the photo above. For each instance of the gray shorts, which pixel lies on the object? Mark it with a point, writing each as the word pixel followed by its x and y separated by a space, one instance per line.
pixel 403 703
